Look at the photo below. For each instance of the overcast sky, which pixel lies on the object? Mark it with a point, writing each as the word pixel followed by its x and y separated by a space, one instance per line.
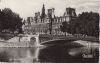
pixel 27 8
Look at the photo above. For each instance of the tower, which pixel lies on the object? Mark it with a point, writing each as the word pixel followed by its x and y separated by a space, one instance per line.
pixel 51 13
pixel 69 14
pixel 51 18
pixel 37 17
pixel 43 13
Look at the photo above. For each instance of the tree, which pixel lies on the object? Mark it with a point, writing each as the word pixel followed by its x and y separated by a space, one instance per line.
pixel 10 21
pixel 65 27
pixel 89 23
pixel 86 23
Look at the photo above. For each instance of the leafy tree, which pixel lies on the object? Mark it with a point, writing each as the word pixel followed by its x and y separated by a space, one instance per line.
pixel 86 23
pixel 65 27
pixel 10 21
pixel 89 23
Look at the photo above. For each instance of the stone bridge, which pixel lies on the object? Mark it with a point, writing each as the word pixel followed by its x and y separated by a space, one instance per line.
pixel 33 39
pixel 27 40
pixel 22 40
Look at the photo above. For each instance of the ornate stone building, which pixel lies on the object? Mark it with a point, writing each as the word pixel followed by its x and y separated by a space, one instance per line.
pixel 48 23
pixel 68 15
pixel 37 24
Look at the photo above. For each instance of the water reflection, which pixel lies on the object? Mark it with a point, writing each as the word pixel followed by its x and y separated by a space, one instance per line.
pixel 54 54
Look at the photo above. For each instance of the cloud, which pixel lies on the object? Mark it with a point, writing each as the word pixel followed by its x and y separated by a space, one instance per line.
pixel 87 5
pixel 28 7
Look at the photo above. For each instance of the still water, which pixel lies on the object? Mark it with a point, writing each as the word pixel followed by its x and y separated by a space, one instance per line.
pixel 54 54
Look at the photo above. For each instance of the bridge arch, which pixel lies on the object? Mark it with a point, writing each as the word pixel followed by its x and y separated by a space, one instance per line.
pixel 30 39
pixel 34 38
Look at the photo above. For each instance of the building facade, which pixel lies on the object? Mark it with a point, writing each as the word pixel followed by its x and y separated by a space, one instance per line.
pixel 49 23
pixel 68 15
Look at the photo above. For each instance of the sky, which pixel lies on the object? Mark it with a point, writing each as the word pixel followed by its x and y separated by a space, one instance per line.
pixel 26 8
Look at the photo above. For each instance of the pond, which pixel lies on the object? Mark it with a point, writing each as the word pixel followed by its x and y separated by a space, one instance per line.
pixel 49 54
